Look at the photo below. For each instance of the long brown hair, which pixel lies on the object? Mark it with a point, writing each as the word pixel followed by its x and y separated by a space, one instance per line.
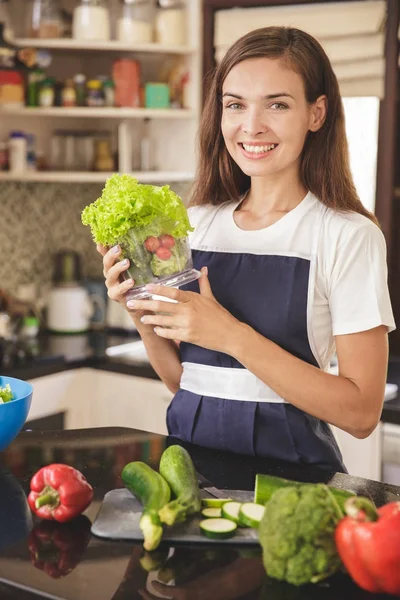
pixel 324 166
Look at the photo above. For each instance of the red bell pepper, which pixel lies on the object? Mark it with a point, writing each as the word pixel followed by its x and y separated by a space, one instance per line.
pixel 59 492
pixel 367 540
pixel 57 548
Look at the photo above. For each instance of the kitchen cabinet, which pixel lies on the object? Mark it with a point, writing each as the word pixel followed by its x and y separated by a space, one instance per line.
pixel 172 130
pixel 93 398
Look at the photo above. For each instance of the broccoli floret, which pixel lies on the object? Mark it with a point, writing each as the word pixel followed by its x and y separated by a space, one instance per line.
pixel 297 534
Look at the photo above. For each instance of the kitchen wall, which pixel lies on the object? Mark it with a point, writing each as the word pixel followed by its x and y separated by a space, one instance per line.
pixel 37 220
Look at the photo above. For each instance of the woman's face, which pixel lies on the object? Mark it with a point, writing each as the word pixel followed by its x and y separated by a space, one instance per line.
pixel 266 117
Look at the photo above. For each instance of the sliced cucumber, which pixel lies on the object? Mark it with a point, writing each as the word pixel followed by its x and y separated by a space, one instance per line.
pixel 218 529
pixel 230 510
pixel 251 514
pixel 211 513
pixel 214 502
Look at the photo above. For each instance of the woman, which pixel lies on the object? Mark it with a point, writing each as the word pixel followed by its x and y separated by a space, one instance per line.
pixel 293 268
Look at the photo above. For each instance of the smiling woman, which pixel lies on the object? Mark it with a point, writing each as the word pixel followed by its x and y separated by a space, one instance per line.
pixel 293 268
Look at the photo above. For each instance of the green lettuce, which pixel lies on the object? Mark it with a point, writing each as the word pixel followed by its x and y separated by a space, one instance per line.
pixel 126 204
pixel 5 393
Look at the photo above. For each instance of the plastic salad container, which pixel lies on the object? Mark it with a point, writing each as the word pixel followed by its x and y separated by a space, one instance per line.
pixel 151 225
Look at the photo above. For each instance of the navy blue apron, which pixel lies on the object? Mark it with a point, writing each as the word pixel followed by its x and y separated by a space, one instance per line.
pixel 269 293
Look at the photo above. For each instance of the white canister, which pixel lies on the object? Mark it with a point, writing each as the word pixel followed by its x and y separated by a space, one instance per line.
pixel 131 31
pixel 91 21
pixel 171 24
pixel 17 151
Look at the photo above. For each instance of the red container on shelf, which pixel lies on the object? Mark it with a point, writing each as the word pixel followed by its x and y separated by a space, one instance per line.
pixel 12 93
pixel 126 76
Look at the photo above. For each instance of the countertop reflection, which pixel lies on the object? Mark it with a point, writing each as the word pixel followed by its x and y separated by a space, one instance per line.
pixel 47 560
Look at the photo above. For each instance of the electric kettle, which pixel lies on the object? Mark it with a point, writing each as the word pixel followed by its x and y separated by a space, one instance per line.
pixel 70 308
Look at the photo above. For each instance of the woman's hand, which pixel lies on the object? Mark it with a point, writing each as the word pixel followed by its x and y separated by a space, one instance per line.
pixel 195 318
pixel 112 271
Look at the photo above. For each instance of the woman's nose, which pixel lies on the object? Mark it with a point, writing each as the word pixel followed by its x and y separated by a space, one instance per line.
pixel 254 123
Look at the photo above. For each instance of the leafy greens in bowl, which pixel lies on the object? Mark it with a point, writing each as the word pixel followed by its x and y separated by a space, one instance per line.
pixel 151 225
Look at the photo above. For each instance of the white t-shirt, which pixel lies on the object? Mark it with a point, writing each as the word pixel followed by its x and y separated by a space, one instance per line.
pixel 348 290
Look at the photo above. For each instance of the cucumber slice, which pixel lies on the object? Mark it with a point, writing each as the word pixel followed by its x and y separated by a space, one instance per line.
pixel 218 529
pixel 211 513
pixel 251 514
pixel 230 510
pixel 214 502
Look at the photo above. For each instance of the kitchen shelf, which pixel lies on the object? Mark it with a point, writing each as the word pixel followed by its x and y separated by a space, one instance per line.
pixel 95 177
pixel 104 112
pixel 105 46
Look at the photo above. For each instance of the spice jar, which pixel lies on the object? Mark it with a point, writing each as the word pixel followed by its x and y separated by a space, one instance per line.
pixel 103 156
pixel 80 88
pixel 46 93
pixel 44 19
pixel 91 20
pixel 171 23
pixel 68 94
pixel 135 21
pixel 95 96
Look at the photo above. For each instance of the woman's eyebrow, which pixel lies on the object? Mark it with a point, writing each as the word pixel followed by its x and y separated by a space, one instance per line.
pixel 267 97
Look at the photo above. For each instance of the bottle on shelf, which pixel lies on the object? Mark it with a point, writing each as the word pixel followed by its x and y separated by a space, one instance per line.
pixel 109 93
pixel 31 152
pixel 95 96
pixel 135 22
pixel 146 148
pixel 68 94
pixel 47 93
pixel 91 20
pixel 103 160
pixel 17 152
pixel 80 88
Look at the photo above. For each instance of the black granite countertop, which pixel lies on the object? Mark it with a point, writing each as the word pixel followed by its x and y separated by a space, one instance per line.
pixel 55 353
pixel 88 568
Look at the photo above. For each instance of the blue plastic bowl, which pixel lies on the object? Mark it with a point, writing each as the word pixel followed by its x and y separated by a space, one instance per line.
pixel 13 414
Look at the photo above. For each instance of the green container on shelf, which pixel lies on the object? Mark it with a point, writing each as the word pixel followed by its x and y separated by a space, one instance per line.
pixel 157 95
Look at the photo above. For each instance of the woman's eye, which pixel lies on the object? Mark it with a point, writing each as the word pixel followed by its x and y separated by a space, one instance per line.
pixel 234 106
pixel 279 106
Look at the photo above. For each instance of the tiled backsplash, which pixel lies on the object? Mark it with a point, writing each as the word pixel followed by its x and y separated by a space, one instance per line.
pixel 37 220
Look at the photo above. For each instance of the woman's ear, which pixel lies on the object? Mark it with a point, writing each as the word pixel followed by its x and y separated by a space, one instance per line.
pixel 318 113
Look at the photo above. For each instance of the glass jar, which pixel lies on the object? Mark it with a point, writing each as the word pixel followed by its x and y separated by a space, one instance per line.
pixel 171 23
pixel 135 21
pixel 91 20
pixel 8 31
pixel 44 19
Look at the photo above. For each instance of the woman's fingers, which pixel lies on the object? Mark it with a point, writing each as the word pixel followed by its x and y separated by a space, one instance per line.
pixel 114 273
pixel 116 292
pixel 110 257
pixel 101 249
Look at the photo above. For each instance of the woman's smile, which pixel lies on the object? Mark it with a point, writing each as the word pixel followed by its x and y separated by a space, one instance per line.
pixel 257 151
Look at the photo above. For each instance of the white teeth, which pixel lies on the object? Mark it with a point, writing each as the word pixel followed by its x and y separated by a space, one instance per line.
pixel 259 149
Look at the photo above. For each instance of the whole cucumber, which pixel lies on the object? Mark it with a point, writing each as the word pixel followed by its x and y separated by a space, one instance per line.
pixel 267 485
pixel 151 489
pixel 177 468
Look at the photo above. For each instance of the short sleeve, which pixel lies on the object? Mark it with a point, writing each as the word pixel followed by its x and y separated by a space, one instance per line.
pixel 358 290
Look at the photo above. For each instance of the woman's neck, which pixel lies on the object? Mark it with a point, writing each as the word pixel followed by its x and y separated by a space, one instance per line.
pixel 273 194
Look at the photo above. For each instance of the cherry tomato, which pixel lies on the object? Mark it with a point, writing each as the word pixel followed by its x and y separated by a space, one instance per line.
pixel 167 241
pixel 163 253
pixel 152 244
